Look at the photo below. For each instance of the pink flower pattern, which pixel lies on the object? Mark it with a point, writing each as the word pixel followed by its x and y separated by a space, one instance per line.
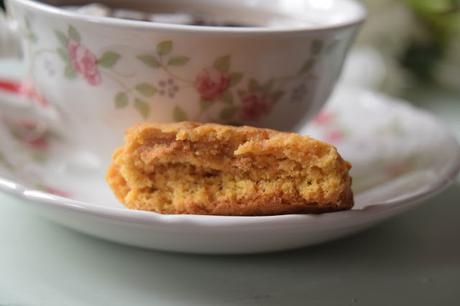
pixel 211 83
pixel 28 89
pixel 84 62
pixel 254 105
pixel 323 118
pixel 56 191
pixel 30 134
pixel 334 136
pixel 214 83
pixel 40 143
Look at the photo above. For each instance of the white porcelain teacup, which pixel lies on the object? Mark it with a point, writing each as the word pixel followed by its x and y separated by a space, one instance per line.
pixel 99 75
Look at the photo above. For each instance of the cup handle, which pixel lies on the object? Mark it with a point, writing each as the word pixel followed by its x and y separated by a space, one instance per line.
pixel 19 96
pixel 10 47
pixel 10 44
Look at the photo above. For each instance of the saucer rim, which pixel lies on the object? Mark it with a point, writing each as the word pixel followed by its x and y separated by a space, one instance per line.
pixel 146 217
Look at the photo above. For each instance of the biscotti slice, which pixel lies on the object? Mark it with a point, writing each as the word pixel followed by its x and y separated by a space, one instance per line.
pixel 193 168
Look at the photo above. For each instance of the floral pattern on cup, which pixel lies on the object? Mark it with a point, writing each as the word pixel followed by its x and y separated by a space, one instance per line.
pixel 79 60
pixel 253 106
pixel 162 59
pixel 211 83
pixel 218 86
pixel 84 62
pixel 258 99
pixel 230 94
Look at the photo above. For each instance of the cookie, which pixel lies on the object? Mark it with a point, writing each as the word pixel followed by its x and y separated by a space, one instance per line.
pixel 212 169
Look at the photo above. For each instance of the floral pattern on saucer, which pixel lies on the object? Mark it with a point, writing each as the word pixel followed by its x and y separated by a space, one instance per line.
pixel 385 141
pixel 26 148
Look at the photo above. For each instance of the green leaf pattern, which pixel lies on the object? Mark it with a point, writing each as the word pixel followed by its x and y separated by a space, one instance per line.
pixel 63 54
pixel 62 38
pixel 108 59
pixel 121 100
pixel 222 64
pixel 69 72
pixel 73 34
pixel 235 78
pixel 164 47
pixel 162 56
pixel 145 89
pixel 149 60
pixel 307 67
pixel 316 46
pixel 229 103
pixel 178 60
pixel 142 107
pixel 179 114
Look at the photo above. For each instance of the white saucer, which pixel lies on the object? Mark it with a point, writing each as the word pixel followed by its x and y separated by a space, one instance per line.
pixel 400 156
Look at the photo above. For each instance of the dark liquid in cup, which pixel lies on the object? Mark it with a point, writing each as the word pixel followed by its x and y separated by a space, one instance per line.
pixel 96 9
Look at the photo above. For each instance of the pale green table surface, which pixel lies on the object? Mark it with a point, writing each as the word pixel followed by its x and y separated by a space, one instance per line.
pixel 413 259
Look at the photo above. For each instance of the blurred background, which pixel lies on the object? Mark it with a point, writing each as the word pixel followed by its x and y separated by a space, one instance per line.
pixel 406 43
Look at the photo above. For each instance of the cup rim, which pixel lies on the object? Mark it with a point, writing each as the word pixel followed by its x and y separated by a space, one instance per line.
pixel 359 18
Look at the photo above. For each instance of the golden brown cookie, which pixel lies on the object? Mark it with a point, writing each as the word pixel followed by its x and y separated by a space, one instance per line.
pixel 194 168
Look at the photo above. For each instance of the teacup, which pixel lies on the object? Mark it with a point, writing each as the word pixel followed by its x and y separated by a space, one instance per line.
pixel 99 75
